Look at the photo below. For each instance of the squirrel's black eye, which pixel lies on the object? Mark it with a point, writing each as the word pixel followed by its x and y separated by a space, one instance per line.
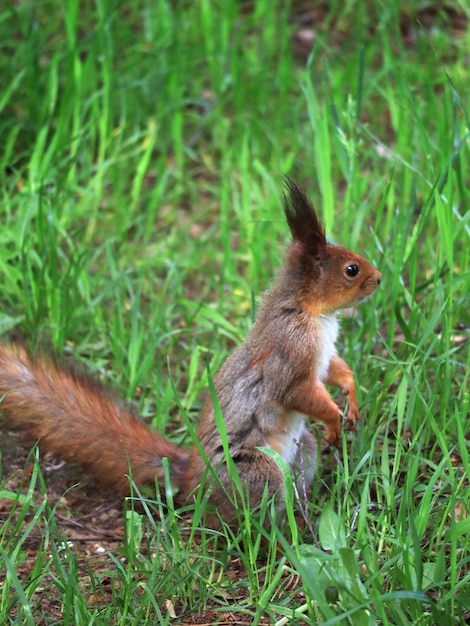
pixel 352 270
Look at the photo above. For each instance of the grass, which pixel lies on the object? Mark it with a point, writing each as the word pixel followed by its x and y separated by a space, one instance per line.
pixel 142 147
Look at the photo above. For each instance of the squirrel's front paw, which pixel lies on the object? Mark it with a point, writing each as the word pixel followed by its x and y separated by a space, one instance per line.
pixel 352 418
pixel 333 435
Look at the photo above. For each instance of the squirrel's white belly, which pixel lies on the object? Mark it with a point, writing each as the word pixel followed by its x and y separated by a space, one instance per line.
pixel 287 441
pixel 326 336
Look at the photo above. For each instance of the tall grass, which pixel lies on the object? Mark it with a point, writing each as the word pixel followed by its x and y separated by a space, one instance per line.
pixel 142 150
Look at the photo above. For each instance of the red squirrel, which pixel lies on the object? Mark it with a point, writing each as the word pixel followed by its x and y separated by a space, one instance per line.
pixel 266 389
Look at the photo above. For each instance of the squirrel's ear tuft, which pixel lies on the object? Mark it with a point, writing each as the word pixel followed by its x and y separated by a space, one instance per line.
pixel 302 219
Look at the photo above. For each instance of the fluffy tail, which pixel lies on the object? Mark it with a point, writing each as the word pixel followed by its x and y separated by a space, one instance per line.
pixel 77 420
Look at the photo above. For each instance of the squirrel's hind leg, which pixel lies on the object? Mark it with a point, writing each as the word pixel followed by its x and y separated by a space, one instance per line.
pixel 260 480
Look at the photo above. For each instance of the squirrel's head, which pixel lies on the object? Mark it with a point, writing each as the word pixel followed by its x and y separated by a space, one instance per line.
pixel 332 277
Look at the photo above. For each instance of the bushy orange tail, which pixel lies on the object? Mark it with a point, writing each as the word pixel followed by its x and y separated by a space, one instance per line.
pixel 77 420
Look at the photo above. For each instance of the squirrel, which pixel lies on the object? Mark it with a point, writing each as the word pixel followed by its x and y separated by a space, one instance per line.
pixel 266 389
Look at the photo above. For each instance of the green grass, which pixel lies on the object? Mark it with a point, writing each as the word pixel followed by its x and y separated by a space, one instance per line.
pixel 142 150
